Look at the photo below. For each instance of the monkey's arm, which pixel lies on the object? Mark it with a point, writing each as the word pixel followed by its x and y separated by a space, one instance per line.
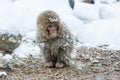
pixel 65 42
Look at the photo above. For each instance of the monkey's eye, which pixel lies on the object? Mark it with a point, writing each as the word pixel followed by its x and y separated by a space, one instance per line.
pixel 55 25
pixel 49 26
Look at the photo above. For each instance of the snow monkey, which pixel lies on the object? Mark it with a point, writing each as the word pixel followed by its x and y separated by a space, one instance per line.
pixel 57 39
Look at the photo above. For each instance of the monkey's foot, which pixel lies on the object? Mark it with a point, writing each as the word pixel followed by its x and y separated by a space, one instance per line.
pixel 49 65
pixel 59 65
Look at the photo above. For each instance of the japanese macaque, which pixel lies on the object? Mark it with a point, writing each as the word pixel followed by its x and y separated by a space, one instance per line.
pixel 58 41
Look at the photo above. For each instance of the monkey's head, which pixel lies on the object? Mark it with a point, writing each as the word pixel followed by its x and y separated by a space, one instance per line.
pixel 46 21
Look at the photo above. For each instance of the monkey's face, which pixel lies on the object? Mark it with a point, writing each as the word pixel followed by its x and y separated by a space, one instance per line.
pixel 52 30
pixel 49 24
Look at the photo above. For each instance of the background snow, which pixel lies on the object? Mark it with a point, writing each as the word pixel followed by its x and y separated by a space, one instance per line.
pixel 92 24
pixel 3 74
pixel 86 12
pixel 102 32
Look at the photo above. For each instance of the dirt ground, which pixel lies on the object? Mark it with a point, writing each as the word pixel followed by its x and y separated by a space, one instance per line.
pixel 99 64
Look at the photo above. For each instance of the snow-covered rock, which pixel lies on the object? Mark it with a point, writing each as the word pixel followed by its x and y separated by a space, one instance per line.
pixel 3 74
pixel 27 48
pixel 86 12
pixel 101 32
pixel 10 62
pixel 10 39
pixel 110 11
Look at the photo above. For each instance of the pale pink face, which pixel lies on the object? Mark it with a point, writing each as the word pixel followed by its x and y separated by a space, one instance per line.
pixel 52 30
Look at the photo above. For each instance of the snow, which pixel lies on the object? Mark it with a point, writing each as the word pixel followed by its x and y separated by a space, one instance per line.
pixel 7 57
pixel 111 11
pixel 27 48
pixel 86 12
pixel 91 24
pixel 9 29
pixel 3 74
pixel 105 1
pixel 101 32
pixel 52 20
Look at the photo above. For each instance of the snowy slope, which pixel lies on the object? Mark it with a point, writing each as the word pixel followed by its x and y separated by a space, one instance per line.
pixel 103 26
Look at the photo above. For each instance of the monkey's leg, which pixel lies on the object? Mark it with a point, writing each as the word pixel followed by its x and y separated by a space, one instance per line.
pixel 61 59
pixel 47 57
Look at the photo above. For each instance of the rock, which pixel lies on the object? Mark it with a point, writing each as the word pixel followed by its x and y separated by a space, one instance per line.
pixel 1 54
pixel 89 1
pixel 106 62
pixel 71 3
pixel 100 77
pixel 9 42
pixel 86 56
pixel 80 65
pixel 117 69
pixel 3 74
pixel 95 69
pixel 117 66
pixel 95 61
pixel 15 62
pixel 2 62
pixel 10 64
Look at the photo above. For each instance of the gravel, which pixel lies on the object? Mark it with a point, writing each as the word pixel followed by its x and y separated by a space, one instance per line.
pixel 89 64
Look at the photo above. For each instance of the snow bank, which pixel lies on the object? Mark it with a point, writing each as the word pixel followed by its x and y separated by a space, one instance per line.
pixel 27 48
pixel 102 32
pixel 110 11
pixel 86 12
pixel 101 29
pixel 3 74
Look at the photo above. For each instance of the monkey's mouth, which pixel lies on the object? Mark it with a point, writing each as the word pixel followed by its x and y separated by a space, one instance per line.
pixel 53 35
pixel 53 31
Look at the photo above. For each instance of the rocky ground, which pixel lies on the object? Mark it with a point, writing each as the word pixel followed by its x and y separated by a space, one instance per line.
pixel 89 64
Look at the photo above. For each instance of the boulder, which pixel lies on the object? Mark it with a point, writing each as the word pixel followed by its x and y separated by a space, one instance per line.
pixel 89 1
pixel 9 42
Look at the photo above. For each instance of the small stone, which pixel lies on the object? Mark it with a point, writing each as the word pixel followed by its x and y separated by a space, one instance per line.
pixel 80 65
pixel 106 62
pixel 96 69
pixel 117 69
pixel 86 56
pixel 95 61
